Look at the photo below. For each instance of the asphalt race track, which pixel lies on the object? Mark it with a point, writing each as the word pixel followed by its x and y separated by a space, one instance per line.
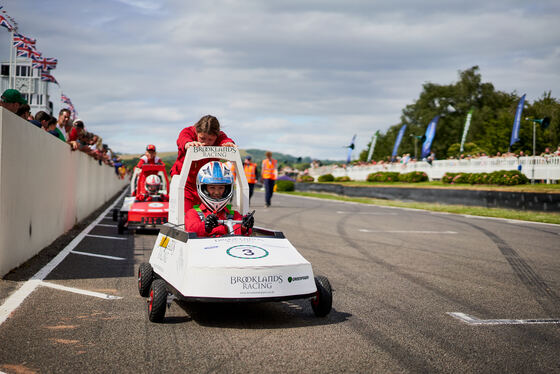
pixel 397 274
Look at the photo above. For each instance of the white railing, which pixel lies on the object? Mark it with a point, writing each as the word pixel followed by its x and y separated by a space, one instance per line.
pixel 540 168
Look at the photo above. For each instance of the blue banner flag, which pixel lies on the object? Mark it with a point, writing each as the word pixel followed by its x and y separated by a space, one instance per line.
pixel 429 135
pixel 398 141
pixel 517 121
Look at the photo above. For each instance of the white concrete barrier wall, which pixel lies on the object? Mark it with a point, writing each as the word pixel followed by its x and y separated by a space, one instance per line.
pixel 541 168
pixel 45 189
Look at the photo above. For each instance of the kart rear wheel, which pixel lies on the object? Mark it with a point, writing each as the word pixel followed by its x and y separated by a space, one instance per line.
pixel 322 302
pixel 115 215
pixel 145 278
pixel 157 300
pixel 120 225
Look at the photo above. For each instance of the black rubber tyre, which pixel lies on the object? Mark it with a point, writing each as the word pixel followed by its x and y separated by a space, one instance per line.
pixel 120 225
pixel 145 278
pixel 115 215
pixel 322 302
pixel 157 300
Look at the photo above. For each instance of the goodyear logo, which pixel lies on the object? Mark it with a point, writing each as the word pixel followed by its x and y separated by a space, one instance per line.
pixel 164 241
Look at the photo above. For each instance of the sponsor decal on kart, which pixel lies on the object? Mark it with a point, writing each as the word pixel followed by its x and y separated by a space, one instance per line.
pixel 295 279
pixel 247 252
pixel 208 153
pixel 155 205
pixel 164 241
pixel 256 284
pixel 155 210
pixel 167 249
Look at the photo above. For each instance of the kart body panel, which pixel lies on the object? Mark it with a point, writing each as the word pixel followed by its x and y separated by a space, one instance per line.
pixel 231 267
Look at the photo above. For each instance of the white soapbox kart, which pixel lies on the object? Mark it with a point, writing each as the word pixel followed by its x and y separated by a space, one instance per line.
pixel 231 268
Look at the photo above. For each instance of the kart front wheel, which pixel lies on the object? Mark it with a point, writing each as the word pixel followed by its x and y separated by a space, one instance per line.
pixel 115 215
pixel 145 278
pixel 157 300
pixel 322 302
pixel 120 225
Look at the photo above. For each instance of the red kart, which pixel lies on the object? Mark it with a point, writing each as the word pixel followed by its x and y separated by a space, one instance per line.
pixel 147 206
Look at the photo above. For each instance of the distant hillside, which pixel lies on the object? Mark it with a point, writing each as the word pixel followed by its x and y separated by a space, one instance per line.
pixel 257 154
pixel 129 156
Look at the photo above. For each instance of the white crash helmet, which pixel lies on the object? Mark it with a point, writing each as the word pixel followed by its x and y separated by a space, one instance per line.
pixel 153 184
pixel 214 172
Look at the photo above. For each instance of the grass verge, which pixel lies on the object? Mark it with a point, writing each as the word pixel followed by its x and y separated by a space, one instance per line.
pixel 456 209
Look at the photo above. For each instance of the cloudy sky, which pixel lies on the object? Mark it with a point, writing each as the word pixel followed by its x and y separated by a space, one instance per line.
pixel 298 77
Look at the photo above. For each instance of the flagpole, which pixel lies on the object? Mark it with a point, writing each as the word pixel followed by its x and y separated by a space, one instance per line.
pixel 30 82
pixel 10 85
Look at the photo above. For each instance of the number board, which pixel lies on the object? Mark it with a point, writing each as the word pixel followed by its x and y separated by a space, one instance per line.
pixel 247 252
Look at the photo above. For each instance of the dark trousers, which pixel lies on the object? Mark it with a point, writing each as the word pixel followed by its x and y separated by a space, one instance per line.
pixel 268 190
pixel 251 190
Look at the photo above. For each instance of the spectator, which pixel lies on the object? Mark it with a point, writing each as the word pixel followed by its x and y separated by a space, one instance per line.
pixel 24 111
pixel 251 173
pixel 268 176
pixel 36 123
pixel 64 124
pixel 46 121
pixel 150 157
pixel 12 100
pixel 50 127
pixel 206 132
pixel 547 153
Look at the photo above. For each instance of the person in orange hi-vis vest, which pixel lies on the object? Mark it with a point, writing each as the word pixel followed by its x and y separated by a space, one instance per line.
pixel 269 175
pixel 251 174
pixel 231 166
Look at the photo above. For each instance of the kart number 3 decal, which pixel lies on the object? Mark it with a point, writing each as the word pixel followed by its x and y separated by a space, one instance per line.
pixel 247 252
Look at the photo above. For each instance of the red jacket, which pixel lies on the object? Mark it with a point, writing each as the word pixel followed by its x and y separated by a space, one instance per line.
pixel 193 223
pixel 145 160
pixel 187 135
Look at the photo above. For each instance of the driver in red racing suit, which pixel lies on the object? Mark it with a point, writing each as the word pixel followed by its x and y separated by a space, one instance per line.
pixel 214 184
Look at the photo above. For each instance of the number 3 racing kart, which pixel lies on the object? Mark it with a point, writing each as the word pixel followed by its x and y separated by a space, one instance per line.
pixel 233 268
pixel 148 203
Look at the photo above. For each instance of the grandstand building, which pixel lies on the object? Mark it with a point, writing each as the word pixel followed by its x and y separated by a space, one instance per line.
pixel 28 82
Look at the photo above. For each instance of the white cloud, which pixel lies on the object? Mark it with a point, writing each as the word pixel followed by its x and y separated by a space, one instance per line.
pixel 292 76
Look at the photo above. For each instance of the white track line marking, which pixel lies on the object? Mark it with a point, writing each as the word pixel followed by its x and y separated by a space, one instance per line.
pixel 79 291
pixel 15 299
pixel 106 225
pixel 366 213
pixel 408 231
pixel 475 321
pixel 96 255
pixel 105 237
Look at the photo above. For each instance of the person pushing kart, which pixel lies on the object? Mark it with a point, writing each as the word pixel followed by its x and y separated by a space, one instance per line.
pixel 214 184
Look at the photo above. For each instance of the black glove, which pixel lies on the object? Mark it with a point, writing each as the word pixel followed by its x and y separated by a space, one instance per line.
pixel 248 221
pixel 210 223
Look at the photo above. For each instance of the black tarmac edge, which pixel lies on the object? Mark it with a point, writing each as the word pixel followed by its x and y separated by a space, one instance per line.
pixel 540 202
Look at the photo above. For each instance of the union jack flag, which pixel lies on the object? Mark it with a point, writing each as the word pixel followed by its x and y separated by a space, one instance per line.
pixel 28 52
pixel 65 99
pixel 73 113
pixel 24 39
pixel 45 76
pixel 44 63
pixel 5 23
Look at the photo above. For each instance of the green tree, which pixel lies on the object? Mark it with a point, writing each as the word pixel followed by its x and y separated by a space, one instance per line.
pixel 491 123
